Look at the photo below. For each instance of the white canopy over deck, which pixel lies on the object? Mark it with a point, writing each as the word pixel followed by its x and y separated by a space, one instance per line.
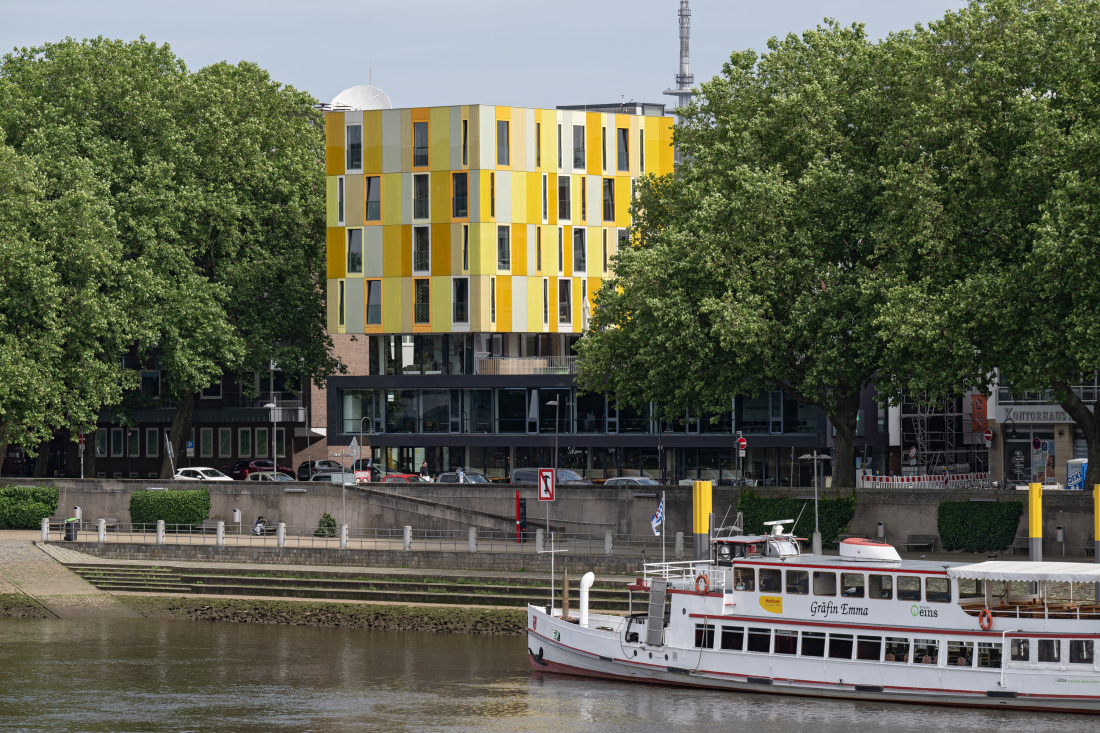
pixel 1066 572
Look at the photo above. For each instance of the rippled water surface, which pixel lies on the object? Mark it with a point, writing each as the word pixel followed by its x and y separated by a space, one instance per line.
pixel 88 676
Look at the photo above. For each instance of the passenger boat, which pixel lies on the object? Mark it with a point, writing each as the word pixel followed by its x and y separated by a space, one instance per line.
pixel 759 615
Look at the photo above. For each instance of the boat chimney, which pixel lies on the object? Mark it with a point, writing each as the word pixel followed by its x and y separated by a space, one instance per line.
pixel 586 583
pixel 701 518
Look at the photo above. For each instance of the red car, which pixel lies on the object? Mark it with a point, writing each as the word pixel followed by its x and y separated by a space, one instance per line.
pixel 241 469
pixel 403 478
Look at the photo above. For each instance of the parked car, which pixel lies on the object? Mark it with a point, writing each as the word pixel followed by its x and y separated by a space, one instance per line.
pixel 632 481
pixel 200 473
pixel 267 476
pixel 241 469
pixel 307 468
pixel 531 476
pixel 15 463
pixel 405 478
pixel 468 477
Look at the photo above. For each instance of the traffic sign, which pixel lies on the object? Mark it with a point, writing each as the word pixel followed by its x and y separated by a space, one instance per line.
pixel 80 438
pixel 190 449
pixel 547 481
pixel 1036 444
pixel 742 444
pixel 913 452
pixel 988 435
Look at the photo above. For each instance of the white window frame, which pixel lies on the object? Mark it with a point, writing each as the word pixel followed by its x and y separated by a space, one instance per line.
pixel 207 393
pixel 152 442
pixel 280 444
pixel 568 302
pixel 261 447
pixel 454 299
pixel 104 442
pixel 428 198
pixel 340 202
pixel 133 442
pixel 546 301
pixel 347 147
pixel 118 443
pixel 244 442
pixel 428 241
pixel 206 442
pixel 223 435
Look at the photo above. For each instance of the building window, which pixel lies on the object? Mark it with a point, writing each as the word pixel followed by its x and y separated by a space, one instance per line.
pixel 101 442
pixel 466 247
pixel 563 198
pixel 374 198
pixel 152 442
pixel 580 259
pixel 341 307
pixel 492 300
pixel 459 195
pixel 133 442
pixel 422 305
pixel 420 144
pixel 603 148
pixel 116 442
pixel 420 196
pixel 355 147
pixel 355 251
pixel 504 248
pixel 503 153
pixel 461 300
pixel 578 147
pixel 605 251
pixel 492 195
pixel 374 302
pixel 422 252
pixel 340 201
pixel 545 301
pixel 624 149
pixel 213 392
pixel 545 199
pixel 225 442
pixel 244 442
pixel 280 442
pixel 565 301
pixel 538 144
pixel 561 250
pixel 584 199
pixel 559 146
pixel 465 142
pixel 263 442
pixel 641 151
pixel 538 249
pixel 206 442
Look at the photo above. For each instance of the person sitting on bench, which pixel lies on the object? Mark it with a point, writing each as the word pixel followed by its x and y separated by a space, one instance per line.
pixel 261 523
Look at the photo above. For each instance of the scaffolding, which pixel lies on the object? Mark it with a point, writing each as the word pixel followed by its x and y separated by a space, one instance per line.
pixel 938 437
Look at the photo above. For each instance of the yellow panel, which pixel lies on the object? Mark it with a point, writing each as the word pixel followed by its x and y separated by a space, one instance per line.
pixel 354 201
pixel 553 290
pixel 567 251
pixel 593 123
pixel 392 250
pixel 332 306
pixel 440 195
pixel 441 254
pixel 334 129
pixel 483 182
pixel 504 303
pixel 622 201
pixel 519 197
pixel 420 114
pixel 534 198
pixel 334 242
pixel 503 113
pixel 391 198
pixel 372 141
pixel 517 130
pixel 664 136
pixel 552 197
pixel 391 304
pixel 440 304
pixel 331 189
pixel 519 249
pixel 439 139
pixel 406 290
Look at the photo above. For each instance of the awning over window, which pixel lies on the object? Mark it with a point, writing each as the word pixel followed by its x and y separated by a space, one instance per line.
pixel 1069 572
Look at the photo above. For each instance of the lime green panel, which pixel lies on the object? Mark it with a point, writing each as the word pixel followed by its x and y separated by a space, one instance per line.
pixel 392 306
pixel 391 198
pixel 439 130
pixel 330 201
pixel 441 304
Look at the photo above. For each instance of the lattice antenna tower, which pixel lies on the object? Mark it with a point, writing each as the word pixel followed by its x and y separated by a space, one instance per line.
pixel 685 79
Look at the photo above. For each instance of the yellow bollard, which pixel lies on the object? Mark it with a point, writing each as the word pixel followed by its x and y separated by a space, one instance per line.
pixel 701 508
pixel 1035 521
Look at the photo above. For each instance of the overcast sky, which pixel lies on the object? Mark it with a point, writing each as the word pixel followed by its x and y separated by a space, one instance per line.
pixel 441 52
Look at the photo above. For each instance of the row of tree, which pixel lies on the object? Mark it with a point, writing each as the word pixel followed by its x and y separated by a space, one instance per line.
pixel 151 212
pixel 915 214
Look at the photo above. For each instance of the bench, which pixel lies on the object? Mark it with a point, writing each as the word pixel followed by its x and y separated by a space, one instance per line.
pixel 1090 546
pixel 1021 542
pixel 920 540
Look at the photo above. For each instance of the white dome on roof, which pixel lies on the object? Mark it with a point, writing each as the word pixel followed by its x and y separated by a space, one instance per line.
pixel 362 97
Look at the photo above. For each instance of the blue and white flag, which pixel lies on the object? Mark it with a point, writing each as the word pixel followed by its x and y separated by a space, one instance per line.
pixel 659 517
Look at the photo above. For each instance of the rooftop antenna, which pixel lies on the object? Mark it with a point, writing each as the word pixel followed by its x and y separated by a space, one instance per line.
pixel 685 78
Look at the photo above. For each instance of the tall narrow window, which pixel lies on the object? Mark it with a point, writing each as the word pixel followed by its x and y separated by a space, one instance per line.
pixel 605 250
pixel 584 198
pixel 152 442
pixel 492 300
pixel 374 302
pixel 603 148
pixel 340 201
pixel 459 195
pixel 609 199
pixel 420 144
pixel 565 301
pixel 503 153
pixel 561 250
pixel 244 442
pixel 545 200
pixel 374 198
pixel 538 249
pixel 422 302
pixel 563 198
pixel 465 142
pixel 538 144
pixel 492 195
pixel 624 149
pixel 422 253
pixel 641 151
pixel 420 196
pixel 355 251
pixel 354 147
pixel 578 147
pixel 545 301
pixel 559 146
pixel 580 260
pixel 504 248
pixel 461 300
pixel 341 306
pixel 225 442
pixel 465 246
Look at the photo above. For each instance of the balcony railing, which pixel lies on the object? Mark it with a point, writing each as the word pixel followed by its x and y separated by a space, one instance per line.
pixel 505 365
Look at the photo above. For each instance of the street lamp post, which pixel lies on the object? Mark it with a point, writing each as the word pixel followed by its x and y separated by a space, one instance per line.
pixel 815 457
pixel 361 444
pixel 274 455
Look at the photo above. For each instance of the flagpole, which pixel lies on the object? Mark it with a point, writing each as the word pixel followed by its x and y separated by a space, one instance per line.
pixel 663 533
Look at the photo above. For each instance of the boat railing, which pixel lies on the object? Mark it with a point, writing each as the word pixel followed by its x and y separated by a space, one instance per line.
pixel 685 572
pixel 1035 608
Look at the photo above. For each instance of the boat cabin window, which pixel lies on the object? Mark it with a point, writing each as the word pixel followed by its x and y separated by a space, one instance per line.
pixel 733 637
pixel 840 646
pixel 880 586
pixel 925 651
pixel 937 590
pixel 771 580
pixel 869 647
pixel 744 578
pixel 908 588
pixel 897 649
pixel 1020 650
pixel 824 584
pixel 959 653
pixel 971 588
pixel 798 582
pixel 813 644
pixel 786 642
pixel 1080 651
pixel 704 636
pixel 1050 650
pixel 759 640
pixel 989 654
pixel 851 585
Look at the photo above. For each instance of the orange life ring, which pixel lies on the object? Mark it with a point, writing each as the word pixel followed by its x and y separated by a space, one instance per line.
pixel 985 619
pixel 702 585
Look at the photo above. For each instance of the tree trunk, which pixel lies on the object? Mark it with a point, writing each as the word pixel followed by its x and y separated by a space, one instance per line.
pixel 177 434
pixel 3 444
pixel 42 460
pixel 1085 420
pixel 844 451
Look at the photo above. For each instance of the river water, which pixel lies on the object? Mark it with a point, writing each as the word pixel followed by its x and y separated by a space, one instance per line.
pixel 153 675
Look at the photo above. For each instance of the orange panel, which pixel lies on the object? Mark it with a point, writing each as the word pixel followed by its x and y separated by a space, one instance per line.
pixel 334 244
pixel 441 249
pixel 420 114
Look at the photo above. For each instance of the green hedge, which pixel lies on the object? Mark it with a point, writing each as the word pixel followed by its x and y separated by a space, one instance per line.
pixel 24 507
pixel 174 507
pixel 973 526
pixel 834 514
